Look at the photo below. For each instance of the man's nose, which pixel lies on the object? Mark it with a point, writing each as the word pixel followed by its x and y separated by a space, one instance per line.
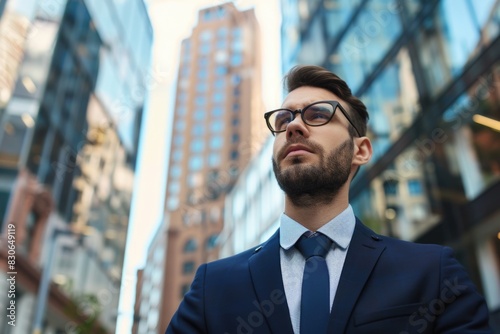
pixel 296 127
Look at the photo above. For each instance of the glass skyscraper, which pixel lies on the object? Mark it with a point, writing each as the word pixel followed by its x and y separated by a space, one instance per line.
pixel 72 90
pixel 429 73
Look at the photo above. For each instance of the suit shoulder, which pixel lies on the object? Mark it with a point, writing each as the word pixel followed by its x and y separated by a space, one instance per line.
pixel 402 245
pixel 233 260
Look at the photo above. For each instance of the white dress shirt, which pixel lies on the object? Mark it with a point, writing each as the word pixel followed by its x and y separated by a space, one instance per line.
pixel 339 229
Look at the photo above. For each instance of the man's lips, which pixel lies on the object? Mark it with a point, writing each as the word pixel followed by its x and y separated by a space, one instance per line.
pixel 296 150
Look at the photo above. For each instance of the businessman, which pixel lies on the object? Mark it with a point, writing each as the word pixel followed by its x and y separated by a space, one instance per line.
pixel 323 271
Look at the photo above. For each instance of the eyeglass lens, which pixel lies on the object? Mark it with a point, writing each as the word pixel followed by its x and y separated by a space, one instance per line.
pixel 314 115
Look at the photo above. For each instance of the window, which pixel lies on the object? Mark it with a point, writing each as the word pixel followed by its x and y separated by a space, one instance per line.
pixel 221 70
pixel 202 73
pixel 216 126
pixel 180 125
pixel 236 59
pixel 415 187
pixel 195 163
pixel 184 290
pixel 234 155
pixel 199 115
pixel 212 241
pixel 221 44
pixel 217 111
pixel 200 100
pixel 177 155
pixel 205 35
pixel 181 110
pixel 216 142
pixel 201 87
pixel 236 79
pixel 203 61
pixel 235 138
pixel 391 187
pixel 173 203
pixel 218 97
pixel 204 49
pixel 220 83
pixel 190 246
pixel 197 145
pixel 222 32
pixel 174 187
pixel 175 171
pixel 198 130
pixel 214 160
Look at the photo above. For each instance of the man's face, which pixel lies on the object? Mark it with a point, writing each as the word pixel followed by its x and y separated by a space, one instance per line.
pixel 311 164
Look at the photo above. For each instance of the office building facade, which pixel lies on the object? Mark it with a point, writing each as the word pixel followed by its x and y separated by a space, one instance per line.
pixel 428 72
pixel 71 104
pixel 215 132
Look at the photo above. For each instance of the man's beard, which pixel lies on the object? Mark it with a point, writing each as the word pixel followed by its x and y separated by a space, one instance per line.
pixel 307 185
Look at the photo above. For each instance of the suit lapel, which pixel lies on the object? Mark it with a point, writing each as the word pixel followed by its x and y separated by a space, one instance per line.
pixel 265 270
pixel 364 250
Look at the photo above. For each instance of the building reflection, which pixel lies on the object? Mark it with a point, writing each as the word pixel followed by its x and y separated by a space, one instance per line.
pixel 71 100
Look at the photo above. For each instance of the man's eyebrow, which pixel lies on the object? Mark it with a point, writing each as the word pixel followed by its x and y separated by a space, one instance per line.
pixel 302 105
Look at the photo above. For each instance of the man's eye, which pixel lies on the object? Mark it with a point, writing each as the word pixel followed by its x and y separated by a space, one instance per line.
pixel 281 120
pixel 318 114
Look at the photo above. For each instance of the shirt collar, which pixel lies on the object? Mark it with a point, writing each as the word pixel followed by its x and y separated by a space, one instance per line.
pixel 339 229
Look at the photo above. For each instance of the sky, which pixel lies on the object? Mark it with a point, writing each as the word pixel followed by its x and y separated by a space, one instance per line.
pixel 173 21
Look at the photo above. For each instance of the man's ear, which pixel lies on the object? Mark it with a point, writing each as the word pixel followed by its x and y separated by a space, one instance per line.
pixel 362 151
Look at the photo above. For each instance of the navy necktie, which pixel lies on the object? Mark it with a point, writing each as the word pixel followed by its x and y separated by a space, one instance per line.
pixel 315 300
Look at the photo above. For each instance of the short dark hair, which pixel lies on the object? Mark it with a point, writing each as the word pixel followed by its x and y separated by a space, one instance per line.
pixel 317 76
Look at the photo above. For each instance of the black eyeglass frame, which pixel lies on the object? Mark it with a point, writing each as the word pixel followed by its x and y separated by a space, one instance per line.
pixel 333 103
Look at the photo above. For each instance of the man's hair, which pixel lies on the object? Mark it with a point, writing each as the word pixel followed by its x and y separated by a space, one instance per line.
pixel 316 76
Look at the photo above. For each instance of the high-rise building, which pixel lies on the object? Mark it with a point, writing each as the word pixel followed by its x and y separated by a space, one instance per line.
pixel 428 72
pixel 72 92
pixel 216 130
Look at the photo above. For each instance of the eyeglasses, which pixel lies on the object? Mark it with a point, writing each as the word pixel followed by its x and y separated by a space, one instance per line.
pixel 316 114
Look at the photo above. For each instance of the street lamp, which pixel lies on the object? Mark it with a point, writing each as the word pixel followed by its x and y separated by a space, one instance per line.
pixel 43 289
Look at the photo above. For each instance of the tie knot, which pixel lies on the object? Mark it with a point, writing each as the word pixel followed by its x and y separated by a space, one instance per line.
pixel 316 245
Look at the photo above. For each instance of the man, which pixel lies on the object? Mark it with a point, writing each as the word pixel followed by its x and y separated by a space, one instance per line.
pixel 353 280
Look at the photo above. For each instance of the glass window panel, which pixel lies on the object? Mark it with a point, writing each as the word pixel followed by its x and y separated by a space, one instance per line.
pixel 198 130
pixel 217 111
pixel 337 14
pixel 199 115
pixel 222 32
pixel 415 187
pixel 174 187
pixel 180 125
pixel 205 35
pixel 188 267
pixel 392 103
pixel 216 126
pixel 177 155
pixel 175 171
pixel 216 142
pixel 214 160
pixel 472 148
pixel 204 48
pixel 218 97
pixel 236 59
pixel 367 41
pixel 197 145
pixel 450 38
pixel 195 163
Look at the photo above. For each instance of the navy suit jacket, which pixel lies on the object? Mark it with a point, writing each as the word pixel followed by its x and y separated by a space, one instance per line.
pixel 386 286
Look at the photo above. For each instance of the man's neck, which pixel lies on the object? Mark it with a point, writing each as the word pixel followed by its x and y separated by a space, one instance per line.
pixel 313 217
